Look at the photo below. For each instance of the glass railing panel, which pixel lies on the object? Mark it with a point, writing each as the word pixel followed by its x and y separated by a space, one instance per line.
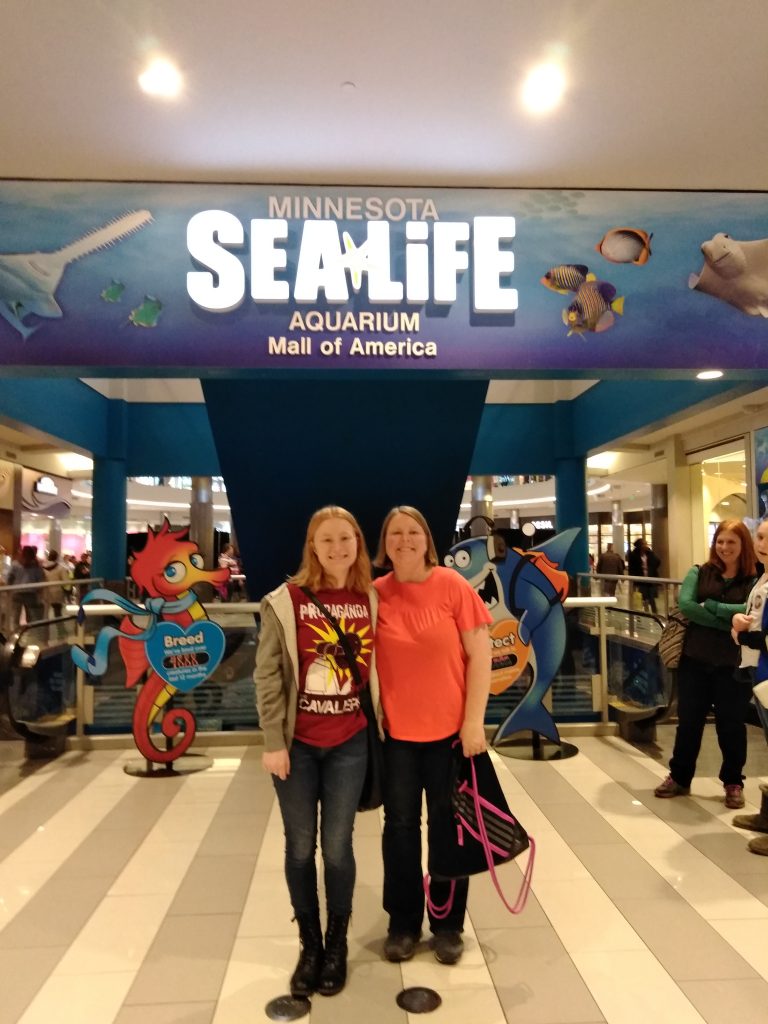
pixel 226 701
pixel 42 690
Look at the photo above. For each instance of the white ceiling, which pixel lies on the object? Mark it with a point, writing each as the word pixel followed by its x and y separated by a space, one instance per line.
pixel 662 94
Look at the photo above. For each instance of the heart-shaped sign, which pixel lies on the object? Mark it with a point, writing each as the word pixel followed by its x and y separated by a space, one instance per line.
pixel 185 657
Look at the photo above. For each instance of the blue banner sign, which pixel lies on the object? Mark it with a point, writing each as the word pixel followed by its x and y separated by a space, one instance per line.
pixel 174 279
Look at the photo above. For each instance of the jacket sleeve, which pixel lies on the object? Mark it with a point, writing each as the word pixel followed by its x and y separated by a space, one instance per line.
pixel 270 679
pixel 724 612
pixel 690 607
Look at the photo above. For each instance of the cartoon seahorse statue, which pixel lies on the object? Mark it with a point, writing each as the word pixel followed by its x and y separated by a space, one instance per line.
pixel 165 570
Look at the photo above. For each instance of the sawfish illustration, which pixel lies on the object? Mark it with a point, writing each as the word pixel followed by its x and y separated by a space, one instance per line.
pixel 28 281
pixel 528 587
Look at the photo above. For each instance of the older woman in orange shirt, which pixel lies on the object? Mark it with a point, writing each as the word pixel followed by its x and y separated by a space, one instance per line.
pixel 434 665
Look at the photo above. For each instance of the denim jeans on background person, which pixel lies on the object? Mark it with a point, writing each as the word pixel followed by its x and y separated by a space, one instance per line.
pixel 331 777
pixel 409 769
pixel 701 687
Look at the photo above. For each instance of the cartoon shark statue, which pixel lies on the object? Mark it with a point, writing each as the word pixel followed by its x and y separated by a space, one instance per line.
pixel 29 280
pixel 529 587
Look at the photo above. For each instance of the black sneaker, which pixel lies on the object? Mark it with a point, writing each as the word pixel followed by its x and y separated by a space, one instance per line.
pixel 400 946
pixel 448 947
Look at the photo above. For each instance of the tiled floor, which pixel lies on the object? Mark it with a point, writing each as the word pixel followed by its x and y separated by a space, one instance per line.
pixel 162 901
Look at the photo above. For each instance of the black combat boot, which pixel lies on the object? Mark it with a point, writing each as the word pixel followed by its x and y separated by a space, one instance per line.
pixel 334 973
pixel 306 977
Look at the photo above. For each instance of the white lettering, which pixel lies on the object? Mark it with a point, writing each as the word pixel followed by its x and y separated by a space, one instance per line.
pixel 265 259
pixel 320 264
pixel 449 261
pixel 491 263
pixel 207 232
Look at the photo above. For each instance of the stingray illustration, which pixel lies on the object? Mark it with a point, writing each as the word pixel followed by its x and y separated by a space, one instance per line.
pixel 527 586
pixel 736 272
pixel 28 281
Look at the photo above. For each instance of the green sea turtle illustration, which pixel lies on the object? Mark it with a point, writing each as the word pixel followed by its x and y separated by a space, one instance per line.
pixel 148 313
pixel 113 292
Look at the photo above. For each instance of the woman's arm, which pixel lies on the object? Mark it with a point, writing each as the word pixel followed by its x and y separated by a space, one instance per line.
pixel 691 608
pixel 269 678
pixel 478 682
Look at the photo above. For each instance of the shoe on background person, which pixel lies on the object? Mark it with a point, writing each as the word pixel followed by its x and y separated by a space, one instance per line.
pixel 734 797
pixel 670 788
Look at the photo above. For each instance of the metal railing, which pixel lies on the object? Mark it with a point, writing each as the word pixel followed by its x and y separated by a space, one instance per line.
pixel 608 667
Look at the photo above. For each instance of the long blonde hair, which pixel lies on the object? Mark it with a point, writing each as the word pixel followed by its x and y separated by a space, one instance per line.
pixel 382 560
pixel 311 574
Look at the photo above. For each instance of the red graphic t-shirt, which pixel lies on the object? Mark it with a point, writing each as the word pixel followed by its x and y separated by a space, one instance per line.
pixel 329 711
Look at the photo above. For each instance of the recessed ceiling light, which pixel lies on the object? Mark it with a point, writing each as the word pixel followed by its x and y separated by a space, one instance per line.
pixel 161 78
pixel 709 375
pixel 543 88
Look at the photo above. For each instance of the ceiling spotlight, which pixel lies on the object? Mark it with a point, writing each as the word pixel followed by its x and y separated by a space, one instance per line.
pixel 543 88
pixel 709 375
pixel 161 78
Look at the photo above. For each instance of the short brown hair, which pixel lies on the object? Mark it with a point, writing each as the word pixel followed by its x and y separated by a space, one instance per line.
pixel 381 560
pixel 747 553
pixel 311 574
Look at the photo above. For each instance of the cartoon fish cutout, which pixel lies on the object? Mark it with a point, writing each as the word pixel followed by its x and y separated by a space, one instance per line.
pixel 565 278
pixel 113 292
pixel 593 307
pixel 147 314
pixel 528 587
pixel 735 272
pixel 625 245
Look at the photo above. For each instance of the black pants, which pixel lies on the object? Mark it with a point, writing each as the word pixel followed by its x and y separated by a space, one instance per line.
pixel 410 769
pixel 703 688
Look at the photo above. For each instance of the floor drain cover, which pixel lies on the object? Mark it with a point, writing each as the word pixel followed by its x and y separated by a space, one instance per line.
pixel 287 1008
pixel 418 1000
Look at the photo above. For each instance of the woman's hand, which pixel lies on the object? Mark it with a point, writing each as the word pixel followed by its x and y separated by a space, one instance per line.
pixel 276 762
pixel 740 622
pixel 472 738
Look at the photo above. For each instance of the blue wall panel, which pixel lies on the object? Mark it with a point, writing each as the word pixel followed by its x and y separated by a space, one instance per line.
pixel 289 447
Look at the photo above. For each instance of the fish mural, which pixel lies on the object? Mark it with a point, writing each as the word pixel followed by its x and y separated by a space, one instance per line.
pixel 147 314
pixel 28 281
pixel 168 641
pixel 565 278
pixel 593 307
pixel 735 272
pixel 625 245
pixel 524 592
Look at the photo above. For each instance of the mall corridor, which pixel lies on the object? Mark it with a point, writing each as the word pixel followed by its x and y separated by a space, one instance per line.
pixel 162 901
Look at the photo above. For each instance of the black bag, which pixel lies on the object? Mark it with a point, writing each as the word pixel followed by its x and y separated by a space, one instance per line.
pixel 372 795
pixel 474 831
pixel 673 638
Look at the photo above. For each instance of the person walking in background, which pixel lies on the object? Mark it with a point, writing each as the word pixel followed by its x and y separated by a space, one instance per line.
pixel 55 572
pixel 434 661
pixel 26 569
pixel 641 561
pixel 315 740
pixel 710 596
pixel 611 563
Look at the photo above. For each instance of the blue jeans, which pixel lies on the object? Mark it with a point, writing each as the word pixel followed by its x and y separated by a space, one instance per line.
pixel 409 769
pixel 331 777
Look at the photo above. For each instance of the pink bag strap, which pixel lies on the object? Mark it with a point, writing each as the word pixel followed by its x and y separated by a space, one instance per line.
pixel 525 885
pixel 441 912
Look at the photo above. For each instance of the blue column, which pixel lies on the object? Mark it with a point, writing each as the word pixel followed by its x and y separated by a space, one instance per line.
pixel 108 524
pixel 571 494
pixel 110 487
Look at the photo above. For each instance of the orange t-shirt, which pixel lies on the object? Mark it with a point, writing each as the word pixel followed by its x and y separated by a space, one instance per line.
pixel 419 654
